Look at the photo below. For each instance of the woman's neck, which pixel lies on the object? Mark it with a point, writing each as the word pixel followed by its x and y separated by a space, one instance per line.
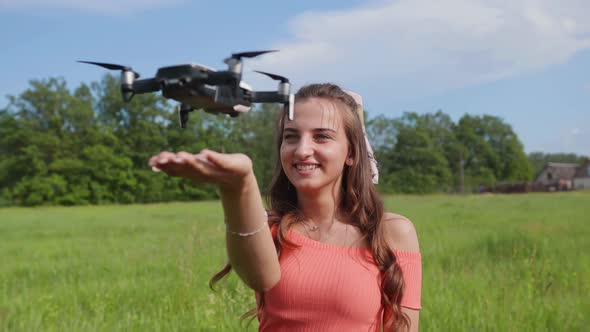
pixel 322 209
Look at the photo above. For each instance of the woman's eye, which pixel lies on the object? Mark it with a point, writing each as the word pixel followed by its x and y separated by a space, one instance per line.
pixel 323 137
pixel 317 137
pixel 289 137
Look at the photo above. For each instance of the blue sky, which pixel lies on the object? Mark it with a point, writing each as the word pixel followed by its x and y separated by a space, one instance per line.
pixel 527 61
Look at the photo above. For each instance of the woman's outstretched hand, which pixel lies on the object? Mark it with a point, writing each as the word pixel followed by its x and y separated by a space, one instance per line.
pixel 229 171
pixel 254 258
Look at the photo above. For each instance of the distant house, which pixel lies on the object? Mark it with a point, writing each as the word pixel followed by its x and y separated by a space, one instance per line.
pixel 557 176
pixel 582 176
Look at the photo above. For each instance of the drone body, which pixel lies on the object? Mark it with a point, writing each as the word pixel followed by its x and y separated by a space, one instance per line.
pixel 200 87
pixel 183 83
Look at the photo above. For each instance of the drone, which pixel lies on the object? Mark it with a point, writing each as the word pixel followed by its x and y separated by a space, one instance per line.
pixel 200 87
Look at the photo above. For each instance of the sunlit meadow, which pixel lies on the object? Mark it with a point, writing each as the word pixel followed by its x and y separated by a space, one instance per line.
pixel 490 263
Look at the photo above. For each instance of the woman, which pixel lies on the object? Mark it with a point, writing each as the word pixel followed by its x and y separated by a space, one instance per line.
pixel 332 259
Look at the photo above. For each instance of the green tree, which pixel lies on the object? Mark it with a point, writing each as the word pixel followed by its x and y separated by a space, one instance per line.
pixel 441 129
pixel 256 135
pixel 382 133
pixel 139 125
pixel 493 151
pixel 417 165
pixel 39 126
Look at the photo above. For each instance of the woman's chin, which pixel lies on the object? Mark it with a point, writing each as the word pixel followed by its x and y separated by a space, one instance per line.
pixel 312 187
pixel 306 186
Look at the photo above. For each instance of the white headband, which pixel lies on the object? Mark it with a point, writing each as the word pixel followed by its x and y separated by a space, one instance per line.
pixel 359 110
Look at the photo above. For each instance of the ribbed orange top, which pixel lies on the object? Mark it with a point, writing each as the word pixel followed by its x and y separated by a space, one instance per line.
pixel 324 287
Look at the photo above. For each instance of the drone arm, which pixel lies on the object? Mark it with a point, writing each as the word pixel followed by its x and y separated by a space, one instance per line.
pixel 147 85
pixel 269 97
pixel 287 100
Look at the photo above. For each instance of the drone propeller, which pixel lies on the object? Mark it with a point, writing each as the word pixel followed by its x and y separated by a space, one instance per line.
pixel 250 54
pixel 128 76
pixel 283 91
pixel 112 67
pixel 235 60
pixel 274 76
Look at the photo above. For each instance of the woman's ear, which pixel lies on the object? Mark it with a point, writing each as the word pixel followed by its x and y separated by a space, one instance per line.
pixel 350 158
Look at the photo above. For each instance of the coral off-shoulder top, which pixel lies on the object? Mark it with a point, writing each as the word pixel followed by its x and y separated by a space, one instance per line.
pixel 324 287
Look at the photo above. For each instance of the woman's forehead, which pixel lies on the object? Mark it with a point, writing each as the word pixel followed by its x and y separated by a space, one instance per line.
pixel 316 113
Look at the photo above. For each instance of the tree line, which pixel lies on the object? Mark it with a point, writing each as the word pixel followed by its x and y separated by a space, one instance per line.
pixel 62 147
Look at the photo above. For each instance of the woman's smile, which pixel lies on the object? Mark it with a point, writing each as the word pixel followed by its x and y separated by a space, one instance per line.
pixel 306 168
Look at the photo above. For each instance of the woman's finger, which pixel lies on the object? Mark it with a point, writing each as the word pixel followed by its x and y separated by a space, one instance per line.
pixel 213 157
pixel 184 157
pixel 161 158
pixel 156 162
pixel 165 158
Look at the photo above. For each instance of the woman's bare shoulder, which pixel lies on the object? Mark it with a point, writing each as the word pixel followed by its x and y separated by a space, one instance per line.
pixel 400 232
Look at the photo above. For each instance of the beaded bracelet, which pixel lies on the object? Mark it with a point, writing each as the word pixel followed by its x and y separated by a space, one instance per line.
pixel 249 233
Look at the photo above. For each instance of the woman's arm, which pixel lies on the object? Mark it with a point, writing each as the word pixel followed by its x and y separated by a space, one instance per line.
pixel 253 257
pixel 414 316
pixel 401 235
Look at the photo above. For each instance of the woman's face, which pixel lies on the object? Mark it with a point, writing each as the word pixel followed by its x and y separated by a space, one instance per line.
pixel 314 146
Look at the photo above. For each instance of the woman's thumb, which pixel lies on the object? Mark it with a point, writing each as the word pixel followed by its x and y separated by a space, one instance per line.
pixel 226 161
pixel 211 156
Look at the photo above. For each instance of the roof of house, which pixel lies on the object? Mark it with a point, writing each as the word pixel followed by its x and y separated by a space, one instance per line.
pixel 562 165
pixel 561 170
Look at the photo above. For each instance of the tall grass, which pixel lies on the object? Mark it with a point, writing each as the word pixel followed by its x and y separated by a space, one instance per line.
pixel 491 263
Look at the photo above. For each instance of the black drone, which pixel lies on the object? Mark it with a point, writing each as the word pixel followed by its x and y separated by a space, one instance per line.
pixel 200 87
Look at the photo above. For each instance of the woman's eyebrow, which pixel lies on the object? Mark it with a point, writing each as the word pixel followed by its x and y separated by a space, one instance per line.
pixel 294 130
pixel 325 129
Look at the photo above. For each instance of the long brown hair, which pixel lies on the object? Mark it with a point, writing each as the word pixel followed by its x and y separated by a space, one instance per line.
pixel 359 200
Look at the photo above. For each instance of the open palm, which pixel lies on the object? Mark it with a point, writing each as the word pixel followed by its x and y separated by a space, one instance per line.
pixel 225 170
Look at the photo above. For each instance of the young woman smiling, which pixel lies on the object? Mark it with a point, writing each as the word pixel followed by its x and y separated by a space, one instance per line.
pixel 326 256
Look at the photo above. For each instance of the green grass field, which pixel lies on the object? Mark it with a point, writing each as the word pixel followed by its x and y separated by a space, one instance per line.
pixel 490 263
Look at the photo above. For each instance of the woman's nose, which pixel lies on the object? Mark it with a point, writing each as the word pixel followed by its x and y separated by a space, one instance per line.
pixel 304 148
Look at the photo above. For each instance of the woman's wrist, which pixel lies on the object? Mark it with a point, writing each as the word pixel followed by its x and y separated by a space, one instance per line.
pixel 239 186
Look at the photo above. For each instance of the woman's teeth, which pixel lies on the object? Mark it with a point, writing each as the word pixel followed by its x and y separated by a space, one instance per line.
pixel 306 167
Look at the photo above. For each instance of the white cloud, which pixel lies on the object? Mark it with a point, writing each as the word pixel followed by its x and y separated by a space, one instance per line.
pixel 421 47
pixel 111 7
